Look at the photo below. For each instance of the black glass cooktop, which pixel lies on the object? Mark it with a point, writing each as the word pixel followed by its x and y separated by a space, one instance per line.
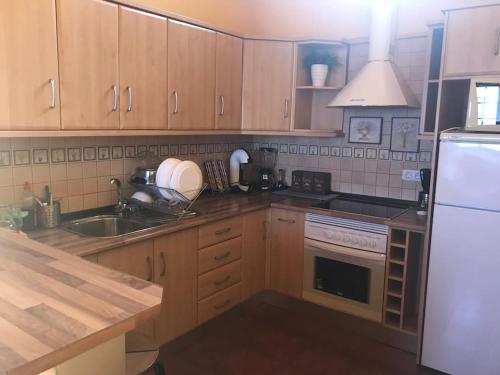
pixel 377 207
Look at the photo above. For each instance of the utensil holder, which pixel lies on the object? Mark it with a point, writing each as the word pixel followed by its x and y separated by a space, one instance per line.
pixel 49 216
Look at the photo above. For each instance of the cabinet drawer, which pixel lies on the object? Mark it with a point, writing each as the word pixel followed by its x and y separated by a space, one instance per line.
pixel 218 303
pixel 219 255
pixel 220 231
pixel 219 279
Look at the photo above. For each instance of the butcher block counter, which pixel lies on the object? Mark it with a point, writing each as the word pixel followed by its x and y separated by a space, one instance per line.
pixel 55 306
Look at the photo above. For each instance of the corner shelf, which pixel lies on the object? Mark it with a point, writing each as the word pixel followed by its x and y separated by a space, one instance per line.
pixel 310 105
pixel 401 294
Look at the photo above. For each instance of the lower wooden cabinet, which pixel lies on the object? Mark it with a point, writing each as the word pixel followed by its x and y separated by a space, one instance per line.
pixel 218 303
pixel 253 258
pixel 287 251
pixel 176 270
pixel 136 260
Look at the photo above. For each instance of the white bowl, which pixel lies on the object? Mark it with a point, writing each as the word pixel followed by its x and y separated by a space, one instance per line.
pixel 142 196
pixel 164 175
pixel 187 179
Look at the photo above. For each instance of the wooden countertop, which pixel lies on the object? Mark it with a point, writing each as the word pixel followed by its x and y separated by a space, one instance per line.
pixel 409 220
pixel 54 306
pixel 210 208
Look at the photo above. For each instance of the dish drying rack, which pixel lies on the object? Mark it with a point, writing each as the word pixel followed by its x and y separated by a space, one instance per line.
pixel 176 206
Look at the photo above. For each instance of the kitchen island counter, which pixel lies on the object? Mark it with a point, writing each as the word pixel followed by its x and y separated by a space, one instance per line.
pixel 55 306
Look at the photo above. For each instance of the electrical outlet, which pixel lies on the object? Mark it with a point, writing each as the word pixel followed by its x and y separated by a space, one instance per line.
pixel 411 175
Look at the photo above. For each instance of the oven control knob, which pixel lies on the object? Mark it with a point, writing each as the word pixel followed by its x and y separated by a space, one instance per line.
pixel 364 243
pixel 354 241
pixel 345 238
pixel 373 244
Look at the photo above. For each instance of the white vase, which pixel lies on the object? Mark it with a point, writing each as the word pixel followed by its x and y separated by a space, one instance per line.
pixel 318 74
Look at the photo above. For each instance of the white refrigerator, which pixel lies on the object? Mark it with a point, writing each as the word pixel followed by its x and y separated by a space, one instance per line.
pixel 462 312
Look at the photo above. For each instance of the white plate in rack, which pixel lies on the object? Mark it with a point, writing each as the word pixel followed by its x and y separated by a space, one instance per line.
pixel 164 175
pixel 187 179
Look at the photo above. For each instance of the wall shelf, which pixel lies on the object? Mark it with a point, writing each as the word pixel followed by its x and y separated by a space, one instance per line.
pixel 310 103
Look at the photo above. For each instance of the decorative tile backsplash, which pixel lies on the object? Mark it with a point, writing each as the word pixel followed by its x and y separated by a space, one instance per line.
pixel 78 170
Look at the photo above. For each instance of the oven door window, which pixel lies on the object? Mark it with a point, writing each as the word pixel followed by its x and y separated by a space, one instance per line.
pixel 342 279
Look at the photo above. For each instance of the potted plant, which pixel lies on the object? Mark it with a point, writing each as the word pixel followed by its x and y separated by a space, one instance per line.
pixel 320 62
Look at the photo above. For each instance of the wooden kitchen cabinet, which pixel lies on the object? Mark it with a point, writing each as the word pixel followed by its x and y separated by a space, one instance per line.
pixel 287 251
pixel 267 85
pixel 253 258
pixel 176 270
pixel 472 44
pixel 135 259
pixel 143 70
pixel 88 64
pixel 191 76
pixel 228 81
pixel 29 89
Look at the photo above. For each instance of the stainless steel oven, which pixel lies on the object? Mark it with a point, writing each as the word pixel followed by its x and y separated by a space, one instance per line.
pixel 344 265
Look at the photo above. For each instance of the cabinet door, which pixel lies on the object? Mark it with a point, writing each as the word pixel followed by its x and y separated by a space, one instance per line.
pixel 253 257
pixel 143 70
pixel 135 259
pixel 267 85
pixel 191 76
pixel 287 251
pixel 228 77
pixel 175 262
pixel 88 58
pixel 472 42
pixel 28 65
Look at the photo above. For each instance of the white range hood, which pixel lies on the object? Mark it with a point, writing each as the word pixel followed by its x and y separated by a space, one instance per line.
pixel 379 83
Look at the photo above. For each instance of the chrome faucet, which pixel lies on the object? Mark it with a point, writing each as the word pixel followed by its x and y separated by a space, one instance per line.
pixel 121 204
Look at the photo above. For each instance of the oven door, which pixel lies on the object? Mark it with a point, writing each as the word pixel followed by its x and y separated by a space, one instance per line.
pixel 344 279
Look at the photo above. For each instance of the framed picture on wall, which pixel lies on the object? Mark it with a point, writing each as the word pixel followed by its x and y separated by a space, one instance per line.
pixel 366 130
pixel 404 132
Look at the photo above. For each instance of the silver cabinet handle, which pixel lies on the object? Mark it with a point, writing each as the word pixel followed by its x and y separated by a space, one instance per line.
pixel 286 109
pixel 224 280
pixel 129 107
pixel 222 231
pixel 176 102
pixel 163 264
pixel 222 305
pixel 497 41
pixel 221 113
pixel 223 256
pixel 150 268
pixel 52 83
pixel 115 98
pixel 288 221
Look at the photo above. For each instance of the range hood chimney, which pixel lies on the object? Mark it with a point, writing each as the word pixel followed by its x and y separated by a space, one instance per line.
pixel 379 83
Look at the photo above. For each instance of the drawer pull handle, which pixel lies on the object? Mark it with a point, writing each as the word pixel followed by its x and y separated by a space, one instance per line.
pixel 150 268
pixel 222 231
pixel 163 264
pixel 222 305
pixel 289 221
pixel 223 281
pixel 223 256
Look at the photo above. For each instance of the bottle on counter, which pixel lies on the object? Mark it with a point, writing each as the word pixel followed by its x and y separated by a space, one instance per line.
pixel 28 205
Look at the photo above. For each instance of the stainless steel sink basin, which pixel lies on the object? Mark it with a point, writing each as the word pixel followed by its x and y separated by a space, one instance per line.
pixel 104 226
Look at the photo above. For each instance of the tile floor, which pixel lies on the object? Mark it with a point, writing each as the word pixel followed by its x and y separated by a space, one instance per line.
pixel 263 337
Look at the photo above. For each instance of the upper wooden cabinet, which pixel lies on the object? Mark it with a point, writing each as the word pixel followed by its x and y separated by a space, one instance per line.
pixel 191 76
pixel 88 59
pixel 472 44
pixel 143 70
pixel 267 85
pixel 287 251
pixel 29 76
pixel 228 80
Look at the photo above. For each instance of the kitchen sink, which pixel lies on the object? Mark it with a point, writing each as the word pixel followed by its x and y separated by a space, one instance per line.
pixel 104 226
